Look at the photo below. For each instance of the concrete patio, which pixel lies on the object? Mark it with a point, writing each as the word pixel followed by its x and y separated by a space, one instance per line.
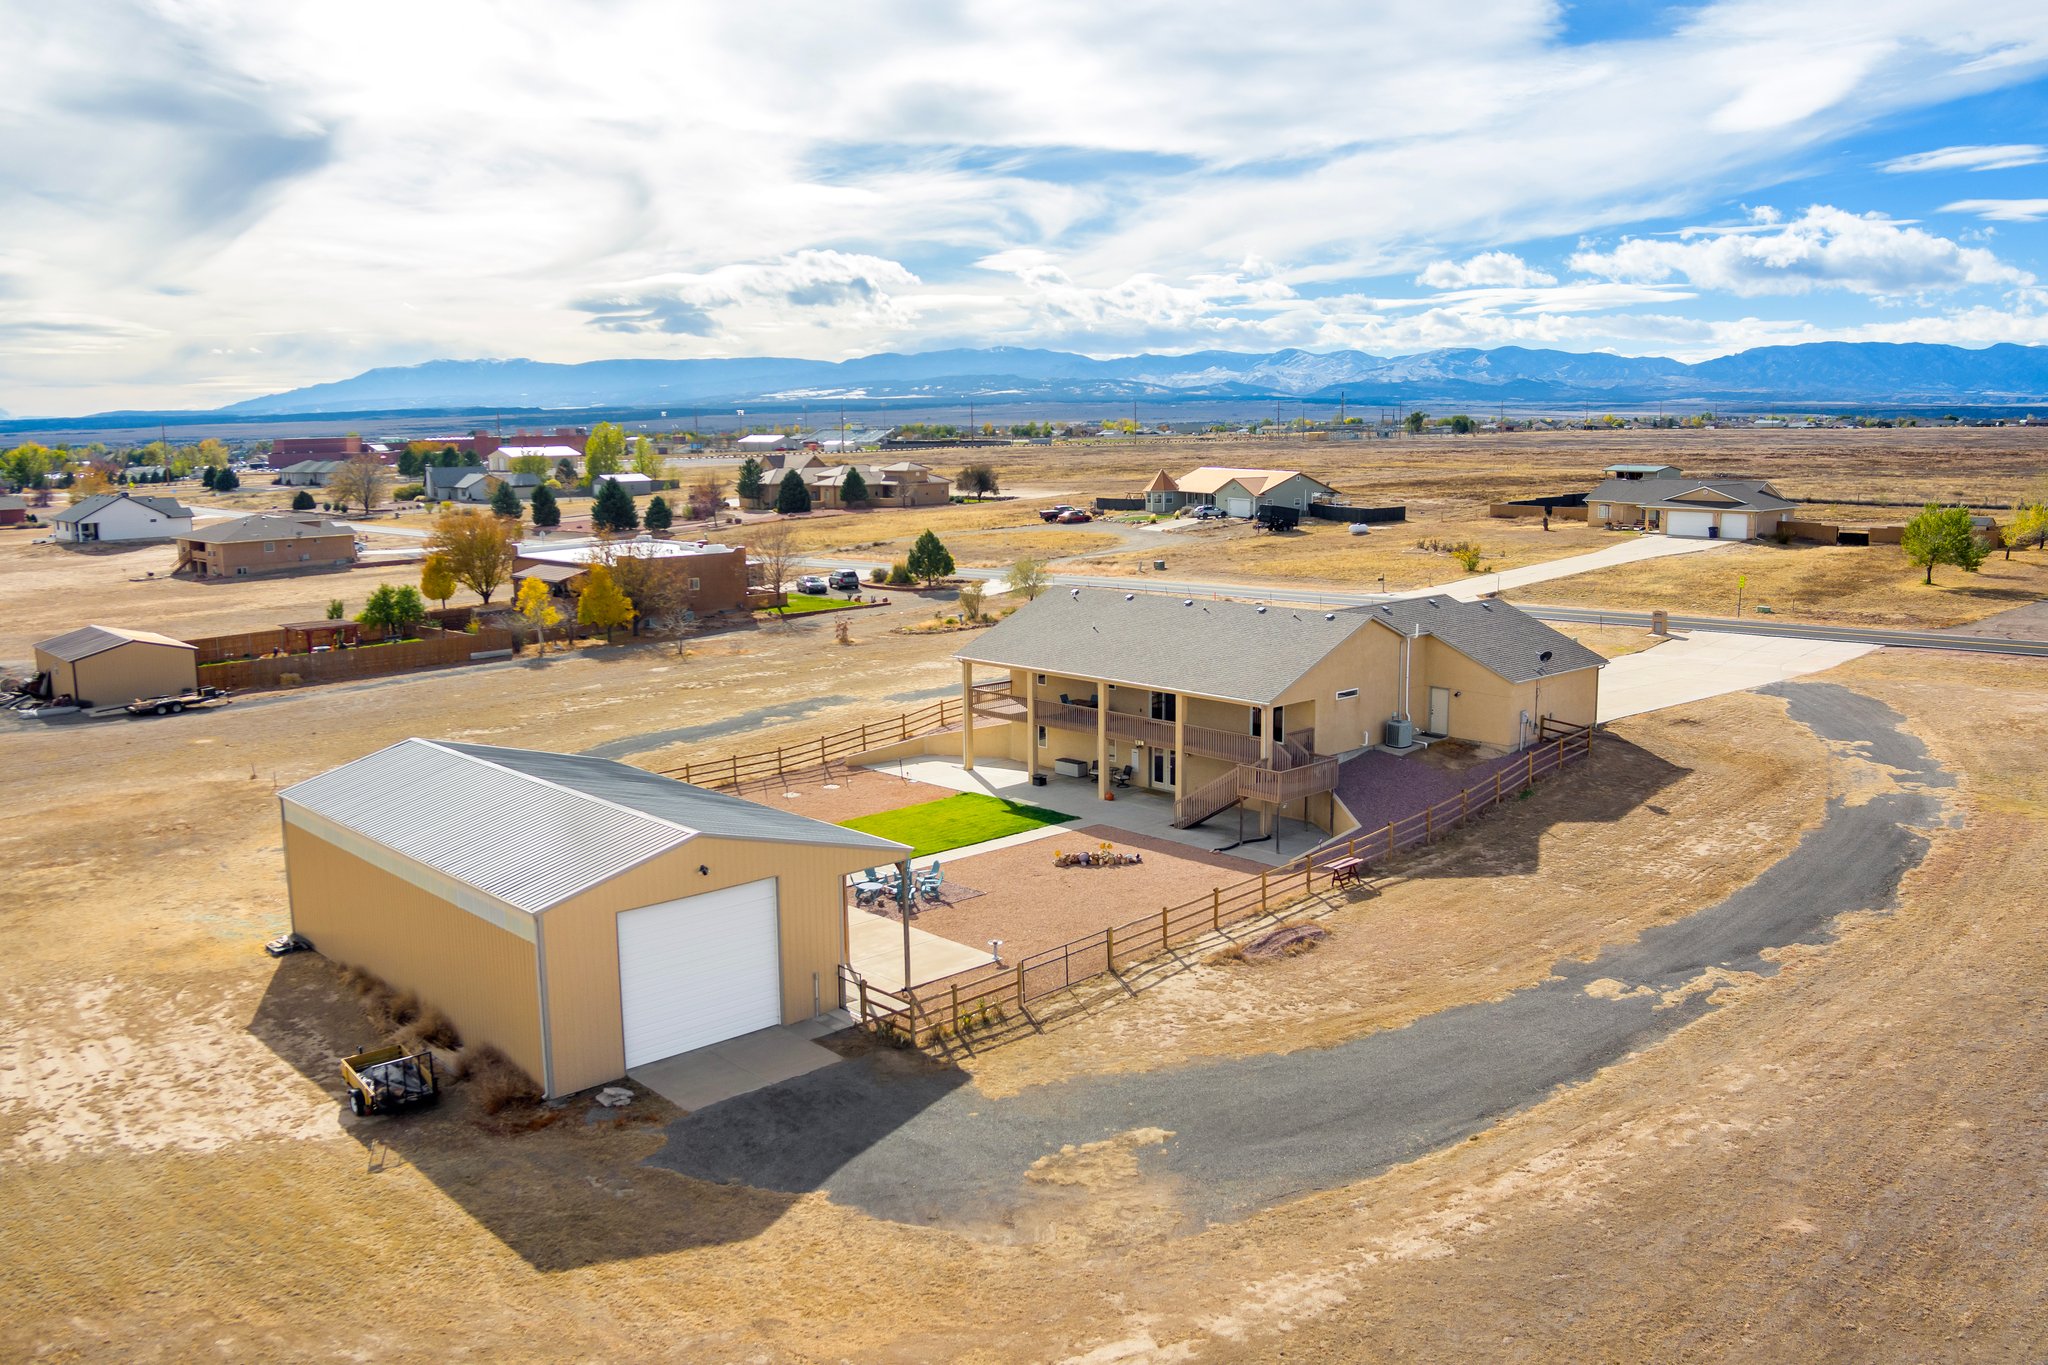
pixel 1134 809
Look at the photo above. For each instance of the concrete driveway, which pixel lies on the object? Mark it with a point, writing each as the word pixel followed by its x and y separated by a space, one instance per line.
pixel 1709 663
pixel 1626 549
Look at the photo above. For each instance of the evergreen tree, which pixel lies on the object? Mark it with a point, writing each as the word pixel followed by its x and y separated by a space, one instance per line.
pixel 505 502
pixel 854 491
pixel 929 560
pixel 409 463
pixel 303 502
pixel 208 475
pixel 226 481
pixel 659 518
pixel 613 510
pixel 792 496
pixel 547 513
pixel 749 485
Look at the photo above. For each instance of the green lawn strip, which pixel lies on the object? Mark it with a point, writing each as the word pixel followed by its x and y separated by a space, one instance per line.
pixel 801 604
pixel 955 822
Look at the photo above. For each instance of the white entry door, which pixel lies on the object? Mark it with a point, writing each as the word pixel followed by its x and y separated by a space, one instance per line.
pixel 696 971
pixel 1439 711
pixel 1162 767
pixel 1698 524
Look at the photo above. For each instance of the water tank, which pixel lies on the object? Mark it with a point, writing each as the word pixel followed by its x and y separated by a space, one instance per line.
pixel 1400 732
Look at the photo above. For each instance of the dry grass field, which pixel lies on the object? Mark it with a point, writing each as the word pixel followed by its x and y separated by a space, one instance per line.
pixel 1837 1164
pixel 1848 585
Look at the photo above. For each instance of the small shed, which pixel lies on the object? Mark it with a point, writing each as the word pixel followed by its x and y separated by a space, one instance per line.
pixel 109 666
pixel 13 510
pixel 628 918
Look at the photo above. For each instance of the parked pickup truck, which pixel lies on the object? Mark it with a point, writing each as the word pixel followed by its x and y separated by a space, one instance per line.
pixel 1053 513
pixel 171 703
pixel 387 1078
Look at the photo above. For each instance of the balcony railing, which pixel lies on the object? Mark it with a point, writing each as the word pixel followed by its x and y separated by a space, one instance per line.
pixel 1156 734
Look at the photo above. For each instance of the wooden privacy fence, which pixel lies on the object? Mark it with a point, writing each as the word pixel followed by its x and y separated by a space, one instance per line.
pixel 365 661
pixel 958 1005
pixel 735 772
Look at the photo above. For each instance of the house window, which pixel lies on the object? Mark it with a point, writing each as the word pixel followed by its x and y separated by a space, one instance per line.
pixel 1165 705
pixel 695 584
pixel 1041 736
pixel 1258 716
pixel 1041 680
pixel 1347 694
pixel 269 546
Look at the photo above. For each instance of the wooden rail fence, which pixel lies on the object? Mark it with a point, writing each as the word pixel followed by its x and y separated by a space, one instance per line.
pixel 736 772
pixel 957 1005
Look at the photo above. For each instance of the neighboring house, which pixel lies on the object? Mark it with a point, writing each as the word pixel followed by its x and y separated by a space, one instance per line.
pixel 1237 492
pixel 706 578
pixel 1215 702
pixel 635 484
pixel 108 666
pixel 1714 509
pixel 121 517
pixel 310 473
pixel 903 484
pixel 635 917
pixel 13 510
pixel 472 486
pixel 502 458
pixel 267 543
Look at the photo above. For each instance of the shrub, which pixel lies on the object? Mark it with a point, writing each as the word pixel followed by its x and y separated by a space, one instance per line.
pixel 411 492
pixel 499 1081
pixel 878 575
pixel 899 575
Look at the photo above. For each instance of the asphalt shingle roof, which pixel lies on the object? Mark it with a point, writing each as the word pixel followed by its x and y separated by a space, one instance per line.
pixel 1752 494
pixel 1234 651
pixel 268 526
pixel 579 821
pixel 1499 638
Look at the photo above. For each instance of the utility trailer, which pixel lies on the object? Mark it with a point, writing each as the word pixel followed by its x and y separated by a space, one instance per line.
pixel 171 703
pixel 388 1078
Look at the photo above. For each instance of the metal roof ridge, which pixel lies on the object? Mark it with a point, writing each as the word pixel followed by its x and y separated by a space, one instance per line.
pixel 443 746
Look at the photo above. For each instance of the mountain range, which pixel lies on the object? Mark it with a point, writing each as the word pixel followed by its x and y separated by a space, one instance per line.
pixel 1819 373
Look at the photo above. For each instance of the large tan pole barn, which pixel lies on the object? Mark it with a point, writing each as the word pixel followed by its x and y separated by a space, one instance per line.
pixel 584 916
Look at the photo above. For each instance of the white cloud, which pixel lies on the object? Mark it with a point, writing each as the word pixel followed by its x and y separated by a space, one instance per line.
pixel 1487 268
pixel 845 287
pixel 1824 248
pixel 2002 210
pixel 1997 158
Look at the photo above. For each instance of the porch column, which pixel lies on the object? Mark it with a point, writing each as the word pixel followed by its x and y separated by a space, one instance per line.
pixel 967 715
pixel 1102 741
pixel 1180 753
pixel 1030 728
pixel 1266 747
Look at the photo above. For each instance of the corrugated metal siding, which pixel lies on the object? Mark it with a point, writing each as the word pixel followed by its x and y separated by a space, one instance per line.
pixel 131 670
pixel 482 977
pixel 583 953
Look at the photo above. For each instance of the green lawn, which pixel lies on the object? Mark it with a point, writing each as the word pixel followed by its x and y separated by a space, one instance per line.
pixel 955 822
pixel 802 602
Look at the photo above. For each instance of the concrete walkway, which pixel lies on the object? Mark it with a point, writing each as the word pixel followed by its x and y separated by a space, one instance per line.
pixel 1708 664
pixel 874 948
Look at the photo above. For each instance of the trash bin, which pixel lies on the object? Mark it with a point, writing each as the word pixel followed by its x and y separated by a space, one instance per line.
pixel 1159 564
pixel 1038 779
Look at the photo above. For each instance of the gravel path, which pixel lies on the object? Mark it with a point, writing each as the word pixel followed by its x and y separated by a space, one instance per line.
pixel 1246 1133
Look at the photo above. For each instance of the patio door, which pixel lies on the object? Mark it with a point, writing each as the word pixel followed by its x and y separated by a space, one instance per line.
pixel 1163 768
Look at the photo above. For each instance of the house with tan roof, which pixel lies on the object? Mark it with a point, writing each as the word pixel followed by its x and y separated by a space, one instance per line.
pixel 1235 492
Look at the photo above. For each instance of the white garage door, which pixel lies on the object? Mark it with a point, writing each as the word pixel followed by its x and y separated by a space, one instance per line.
pixel 1735 526
pixel 1699 524
pixel 1238 507
pixel 699 970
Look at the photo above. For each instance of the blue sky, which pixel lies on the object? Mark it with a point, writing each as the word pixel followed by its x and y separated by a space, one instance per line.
pixel 210 199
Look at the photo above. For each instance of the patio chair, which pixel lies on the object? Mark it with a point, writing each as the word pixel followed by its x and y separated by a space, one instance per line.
pixel 930 881
pixel 1122 776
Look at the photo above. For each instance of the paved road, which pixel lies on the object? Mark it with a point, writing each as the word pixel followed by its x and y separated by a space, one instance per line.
pixel 924 1146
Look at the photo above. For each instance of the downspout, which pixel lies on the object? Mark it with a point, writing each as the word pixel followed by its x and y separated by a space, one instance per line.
pixel 1407 657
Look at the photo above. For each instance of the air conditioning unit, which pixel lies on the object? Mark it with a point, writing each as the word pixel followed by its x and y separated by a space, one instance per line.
pixel 1400 732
